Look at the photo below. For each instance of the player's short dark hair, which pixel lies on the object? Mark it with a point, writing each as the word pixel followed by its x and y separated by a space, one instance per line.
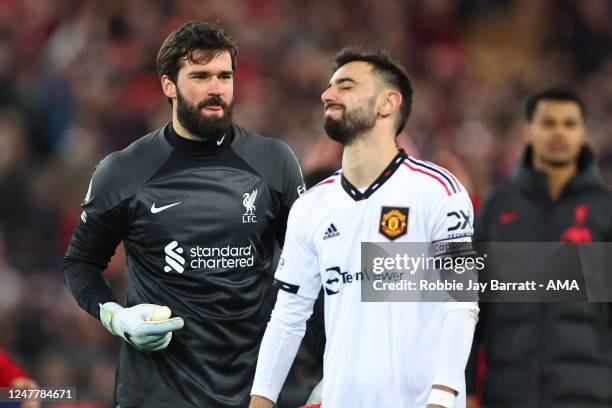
pixel 390 70
pixel 188 38
pixel 553 94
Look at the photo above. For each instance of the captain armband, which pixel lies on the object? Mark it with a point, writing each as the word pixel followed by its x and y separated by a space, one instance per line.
pixel 453 249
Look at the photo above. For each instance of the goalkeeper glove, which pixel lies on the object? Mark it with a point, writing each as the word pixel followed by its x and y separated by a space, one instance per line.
pixel 146 327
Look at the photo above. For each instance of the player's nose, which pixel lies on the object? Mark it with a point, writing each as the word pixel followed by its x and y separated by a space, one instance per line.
pixel 328 95
pixel 215 87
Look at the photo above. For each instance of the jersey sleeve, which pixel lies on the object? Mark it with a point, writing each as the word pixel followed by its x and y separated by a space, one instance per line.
pixel 452 218
pixel 101 227
pixel 297 270
pixel 278 166
pixel 292 188
pixel 293 181
pixel 104 220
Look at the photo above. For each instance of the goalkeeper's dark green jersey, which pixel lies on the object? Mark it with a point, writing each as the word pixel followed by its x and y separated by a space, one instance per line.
pixel 202 224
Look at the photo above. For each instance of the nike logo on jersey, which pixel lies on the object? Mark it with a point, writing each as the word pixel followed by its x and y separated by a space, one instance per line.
pixel 155 209
pixel 331 232
pixel 220 141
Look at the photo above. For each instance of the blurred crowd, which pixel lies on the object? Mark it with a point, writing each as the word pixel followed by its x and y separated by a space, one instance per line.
pixel 78 81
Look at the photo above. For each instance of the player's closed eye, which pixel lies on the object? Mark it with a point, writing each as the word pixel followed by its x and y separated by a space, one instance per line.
pixel 570 124
pixel 548 123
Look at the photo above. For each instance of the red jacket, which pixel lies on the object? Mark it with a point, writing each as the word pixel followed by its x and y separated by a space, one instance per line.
pixel 9 371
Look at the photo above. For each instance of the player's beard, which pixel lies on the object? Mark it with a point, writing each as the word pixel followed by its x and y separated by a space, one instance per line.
pixel 192 118
pixel 351 124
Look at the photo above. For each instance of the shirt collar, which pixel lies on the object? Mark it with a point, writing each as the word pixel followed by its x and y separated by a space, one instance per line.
pixel 198 147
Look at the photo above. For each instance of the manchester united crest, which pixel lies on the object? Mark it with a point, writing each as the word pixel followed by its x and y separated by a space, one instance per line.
pixel 393 222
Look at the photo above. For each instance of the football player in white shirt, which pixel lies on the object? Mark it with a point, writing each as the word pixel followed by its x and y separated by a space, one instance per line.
pixel 386 354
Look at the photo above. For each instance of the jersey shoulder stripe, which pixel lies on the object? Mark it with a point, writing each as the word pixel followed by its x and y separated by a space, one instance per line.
pixel 443 170
pixel 433 174
pixel 328 180
pixel 435 169
pixel 311 199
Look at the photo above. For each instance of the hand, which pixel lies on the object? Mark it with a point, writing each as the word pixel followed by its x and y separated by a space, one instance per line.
pixel 22 383
pixel 260 402
pixel 146 327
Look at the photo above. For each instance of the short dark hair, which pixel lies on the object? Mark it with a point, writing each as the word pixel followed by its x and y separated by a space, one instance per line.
pixel 189 38
pixel 391 71
pixel 553 94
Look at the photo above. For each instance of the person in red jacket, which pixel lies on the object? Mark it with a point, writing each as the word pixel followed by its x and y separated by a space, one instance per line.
pixel 11 376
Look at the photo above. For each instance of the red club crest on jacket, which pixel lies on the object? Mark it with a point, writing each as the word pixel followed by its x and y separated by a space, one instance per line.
pixel 578 232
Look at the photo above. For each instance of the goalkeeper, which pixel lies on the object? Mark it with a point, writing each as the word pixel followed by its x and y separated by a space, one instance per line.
pixel 202 218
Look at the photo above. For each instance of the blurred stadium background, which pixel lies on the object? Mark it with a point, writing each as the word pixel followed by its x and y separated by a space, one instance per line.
pixel 78 81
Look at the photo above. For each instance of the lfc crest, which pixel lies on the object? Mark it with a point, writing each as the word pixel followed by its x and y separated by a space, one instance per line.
pixel 393 222
pixel 248 200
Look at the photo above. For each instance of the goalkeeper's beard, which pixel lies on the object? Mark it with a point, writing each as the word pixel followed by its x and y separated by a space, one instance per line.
pixel 192 118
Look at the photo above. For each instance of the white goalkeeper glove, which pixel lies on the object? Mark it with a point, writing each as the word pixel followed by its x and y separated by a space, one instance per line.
pixel 146 327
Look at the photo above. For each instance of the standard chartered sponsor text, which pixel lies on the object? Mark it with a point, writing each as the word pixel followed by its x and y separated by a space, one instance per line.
pixel 221 257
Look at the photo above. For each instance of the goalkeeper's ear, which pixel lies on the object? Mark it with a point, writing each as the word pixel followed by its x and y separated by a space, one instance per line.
pixel 168 86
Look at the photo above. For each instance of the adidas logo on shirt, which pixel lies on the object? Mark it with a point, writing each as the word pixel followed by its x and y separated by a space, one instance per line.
pixel 331 232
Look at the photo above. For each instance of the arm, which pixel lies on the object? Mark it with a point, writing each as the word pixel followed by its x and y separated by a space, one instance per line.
pixel 91 248
pixel 299 284
pixel 453 222
pixel 279 346
pixel 457 331
pixel 102 225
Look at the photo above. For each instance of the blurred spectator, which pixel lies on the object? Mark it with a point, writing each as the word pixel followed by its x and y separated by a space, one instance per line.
pixel 548 354
pixel 13 377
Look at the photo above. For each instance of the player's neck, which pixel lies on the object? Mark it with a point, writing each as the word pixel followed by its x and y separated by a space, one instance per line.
pixel 557 177
pixel 365 158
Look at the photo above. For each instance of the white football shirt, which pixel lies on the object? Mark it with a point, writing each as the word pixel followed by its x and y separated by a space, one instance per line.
pixel 377 354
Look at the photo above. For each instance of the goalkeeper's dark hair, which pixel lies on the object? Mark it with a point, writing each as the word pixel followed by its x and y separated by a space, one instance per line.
pixel 392 72
pixel 553 94
pixel 193 36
